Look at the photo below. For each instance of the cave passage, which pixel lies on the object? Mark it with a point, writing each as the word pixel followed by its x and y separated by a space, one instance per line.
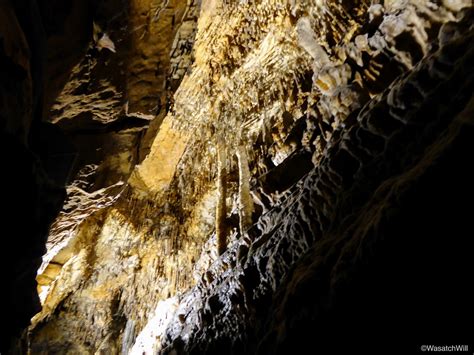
pixel 237 177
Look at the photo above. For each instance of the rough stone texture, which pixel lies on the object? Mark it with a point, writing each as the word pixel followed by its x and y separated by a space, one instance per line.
pixel 33 189
pixel 107 98
pixel 109 134
pixel 350 114
pixel 334 245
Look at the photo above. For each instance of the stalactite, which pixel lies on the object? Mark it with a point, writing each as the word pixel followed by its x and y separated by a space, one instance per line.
pixel 256 71
pixel 221 209
pixel 245 199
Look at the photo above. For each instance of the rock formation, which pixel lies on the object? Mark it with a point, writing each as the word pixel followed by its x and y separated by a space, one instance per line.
pixel 237 177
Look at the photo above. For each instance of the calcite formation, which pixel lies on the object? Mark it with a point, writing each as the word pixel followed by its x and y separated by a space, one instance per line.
pixel 247 174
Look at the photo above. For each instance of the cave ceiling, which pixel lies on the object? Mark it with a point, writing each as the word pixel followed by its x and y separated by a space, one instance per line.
pixel 234 166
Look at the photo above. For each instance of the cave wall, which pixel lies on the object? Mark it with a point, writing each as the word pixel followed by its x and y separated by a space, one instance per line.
pixel 110 108
pixel 81 83
pixel 248 174
pixel 354 251
pixel 33 190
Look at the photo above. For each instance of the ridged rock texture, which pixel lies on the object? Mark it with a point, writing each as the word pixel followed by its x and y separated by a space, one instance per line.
pixel 237 177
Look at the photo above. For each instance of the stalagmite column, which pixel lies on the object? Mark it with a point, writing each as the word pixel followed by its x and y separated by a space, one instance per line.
pixel 221 209
pixel 245 200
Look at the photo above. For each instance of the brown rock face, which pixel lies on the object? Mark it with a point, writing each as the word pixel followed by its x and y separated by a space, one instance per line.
pixel 268 177
pixel 32 178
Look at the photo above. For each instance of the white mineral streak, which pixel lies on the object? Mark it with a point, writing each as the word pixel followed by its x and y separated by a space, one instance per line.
pixel 148 341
